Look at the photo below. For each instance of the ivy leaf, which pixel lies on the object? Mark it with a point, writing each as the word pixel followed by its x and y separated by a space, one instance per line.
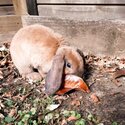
pixel 33 111
pixel 35 122
pixel 48 117
pixel 80 122
pixel 114 123
pixel 26 117
pixel 9 102
pixel 9 119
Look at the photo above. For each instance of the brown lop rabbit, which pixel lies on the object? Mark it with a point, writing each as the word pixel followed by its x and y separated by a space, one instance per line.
pixel 37 51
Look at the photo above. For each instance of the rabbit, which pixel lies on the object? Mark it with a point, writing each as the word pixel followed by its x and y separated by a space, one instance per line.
pixel 38 52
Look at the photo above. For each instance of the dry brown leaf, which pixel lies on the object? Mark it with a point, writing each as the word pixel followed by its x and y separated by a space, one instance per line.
pixel 73 82
pixel 7 94
pixel 12 112
pixel 75 102
pixel 94 98
pixel 72 118
pixel 1 75
pixel 3 62
pixel 22 98
pixel 64 122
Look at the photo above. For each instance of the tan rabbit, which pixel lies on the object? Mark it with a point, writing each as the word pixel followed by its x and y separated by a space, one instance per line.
pixel 37 51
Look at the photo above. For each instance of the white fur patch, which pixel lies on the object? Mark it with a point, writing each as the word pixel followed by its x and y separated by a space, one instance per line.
pixel 72 78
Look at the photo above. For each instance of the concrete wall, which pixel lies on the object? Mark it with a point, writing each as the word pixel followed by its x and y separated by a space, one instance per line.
pixel 95 37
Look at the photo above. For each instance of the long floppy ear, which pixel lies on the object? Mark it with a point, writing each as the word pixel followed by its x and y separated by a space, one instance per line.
pixel 54 77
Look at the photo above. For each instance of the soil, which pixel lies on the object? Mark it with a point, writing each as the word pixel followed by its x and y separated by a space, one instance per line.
pixel 17 94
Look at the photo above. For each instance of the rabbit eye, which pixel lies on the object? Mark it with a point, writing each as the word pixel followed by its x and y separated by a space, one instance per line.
pixel 68 65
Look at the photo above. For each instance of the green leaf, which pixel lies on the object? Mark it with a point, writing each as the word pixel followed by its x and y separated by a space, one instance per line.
pixel 56 116
pixel 20 123
pixel 80 122
pixel 26 117
pixel 71 113
pixel 114 123
pixel 33 111
pixel 35 123
pixel 92 118
pixel 9 102
pixel 9 119
pixel 20 113
pixel 66 113
pixel 75 114
pixel 52 107
pixel 48 117
pixel 78 116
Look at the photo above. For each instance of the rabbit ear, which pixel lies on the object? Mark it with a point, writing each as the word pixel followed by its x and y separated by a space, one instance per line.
pixel 80 53
pixel 54 77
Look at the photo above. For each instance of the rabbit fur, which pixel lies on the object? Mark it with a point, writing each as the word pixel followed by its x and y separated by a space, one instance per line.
pixel 37 47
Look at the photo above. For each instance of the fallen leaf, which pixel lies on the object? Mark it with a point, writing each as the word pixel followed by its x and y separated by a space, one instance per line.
pixel 75 102
pixel 12 112
pixel 1 116
pixel 3 62
pixel 52 107
pixel 73 82
pixel 63 91
pixel 7 94
pixel 1 75
pixel 9 120
pixel 80 122
pixel 22 98
pixel 64 122
pixel 3 48
pixel 94 98
pixel 72 118
pixel 33 111
pixel 48 117
pixel 57 97
pixel 101 124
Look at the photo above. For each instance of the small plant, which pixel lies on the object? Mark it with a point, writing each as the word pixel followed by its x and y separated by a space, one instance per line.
pixel 27 117
pixel 76 117
pixel 114 123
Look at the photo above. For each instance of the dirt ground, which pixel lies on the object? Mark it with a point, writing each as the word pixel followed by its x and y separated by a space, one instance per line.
pixel 25 103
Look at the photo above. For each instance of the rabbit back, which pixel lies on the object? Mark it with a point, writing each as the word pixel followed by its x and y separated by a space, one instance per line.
pixel 35 46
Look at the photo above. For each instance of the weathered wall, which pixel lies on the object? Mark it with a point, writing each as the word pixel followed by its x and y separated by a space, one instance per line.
pixel 8 27
pixel 6 7
pixel 92 26
pixel 82 9
pixel 83 1
pixel 95 37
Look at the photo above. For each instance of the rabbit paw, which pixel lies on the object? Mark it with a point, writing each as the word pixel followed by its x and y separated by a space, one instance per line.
pixel 34 77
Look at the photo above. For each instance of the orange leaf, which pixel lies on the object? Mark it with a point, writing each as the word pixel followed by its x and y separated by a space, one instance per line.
pixel 73 82
pixel 63 91
pixel 94 98
pixel 72 118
